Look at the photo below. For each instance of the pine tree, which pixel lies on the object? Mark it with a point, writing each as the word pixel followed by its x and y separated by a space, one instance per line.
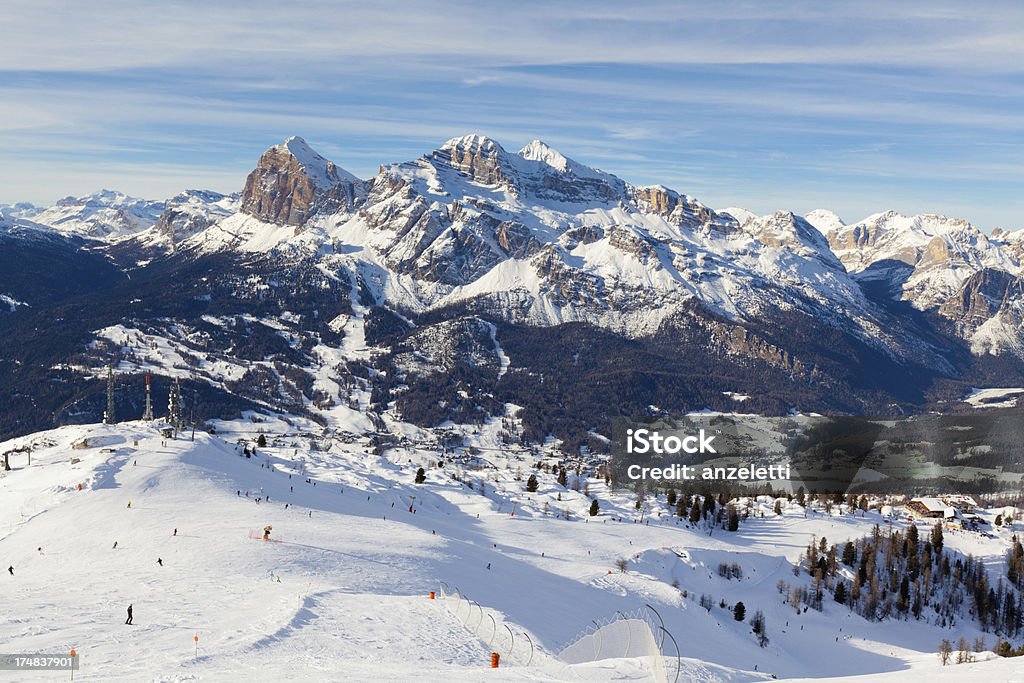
pixel 840 593
pixel 421 476
pixel 671 498
pixel 695 512
pixel 174 408
pixel 734 523
pixel 262 441
pixel 760 628
pixel 562 479
pixel 531 484
pixel 936 538
pixel 739 612
pixel 778 506
pixel 594 508
pixel 849 554
pixel 110 417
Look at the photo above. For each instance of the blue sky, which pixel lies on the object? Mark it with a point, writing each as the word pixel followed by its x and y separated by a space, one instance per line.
pixel 857 107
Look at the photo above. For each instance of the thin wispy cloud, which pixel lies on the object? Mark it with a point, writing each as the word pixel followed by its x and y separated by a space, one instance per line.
pixel 861 106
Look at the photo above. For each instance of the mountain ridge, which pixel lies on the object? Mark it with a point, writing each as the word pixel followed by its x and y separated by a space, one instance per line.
pixel 327 290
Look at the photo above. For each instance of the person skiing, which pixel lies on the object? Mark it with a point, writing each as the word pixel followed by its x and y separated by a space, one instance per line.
pixel 129 503
pixel 175 533
pixel 115 546
pixel 160 561
pixel 129 619
pixel 11 569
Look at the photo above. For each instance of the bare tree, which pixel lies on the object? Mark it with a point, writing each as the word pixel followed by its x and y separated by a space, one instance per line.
pixel 945 650
pixel 963 650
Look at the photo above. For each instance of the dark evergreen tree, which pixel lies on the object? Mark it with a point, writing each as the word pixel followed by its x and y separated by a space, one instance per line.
pixel 695 512
pixel 262 441
pixel 421 476
pixel 734 520
pixel 739 612
pixel 531 483
pixel 110 416
pixel 840 592
pixel 594 508
pixel 936 538
pixel 849 554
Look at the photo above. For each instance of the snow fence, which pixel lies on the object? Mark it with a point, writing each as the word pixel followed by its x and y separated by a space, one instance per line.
pixel 490 627
pixel 640 634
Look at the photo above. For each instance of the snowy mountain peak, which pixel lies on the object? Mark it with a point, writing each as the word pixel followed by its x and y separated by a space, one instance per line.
pixel 102 214
pixel 742 216
pixel 540 151
pixel 550 158
pixel 474 142
pixel 825 221
pixel 291 182
pixel 323 172
pixel 19 210
pixel 479 157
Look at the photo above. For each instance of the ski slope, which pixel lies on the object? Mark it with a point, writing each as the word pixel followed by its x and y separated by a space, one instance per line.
pixel 341 590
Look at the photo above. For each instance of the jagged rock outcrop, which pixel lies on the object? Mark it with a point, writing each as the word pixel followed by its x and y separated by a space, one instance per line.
pixel 479 157
pixel 982 296
pixel 191 212
pixel 291 183
pixel 678 209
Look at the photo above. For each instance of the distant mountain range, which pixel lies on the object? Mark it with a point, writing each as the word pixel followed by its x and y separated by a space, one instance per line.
pixel 447 287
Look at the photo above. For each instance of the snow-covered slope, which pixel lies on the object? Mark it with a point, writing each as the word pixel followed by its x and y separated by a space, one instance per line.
pixel 327 598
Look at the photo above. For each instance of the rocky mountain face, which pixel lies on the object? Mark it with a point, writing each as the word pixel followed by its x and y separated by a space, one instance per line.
pixel 191 212
pixel 942 252
pixel 452 285
pixel 291 182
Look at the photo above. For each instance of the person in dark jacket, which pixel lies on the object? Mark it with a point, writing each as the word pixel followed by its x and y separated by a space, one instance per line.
pixel 129 619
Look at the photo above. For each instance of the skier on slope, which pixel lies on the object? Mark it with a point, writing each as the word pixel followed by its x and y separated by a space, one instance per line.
pixel 129 619
pixel 160 561
pixel 11 569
